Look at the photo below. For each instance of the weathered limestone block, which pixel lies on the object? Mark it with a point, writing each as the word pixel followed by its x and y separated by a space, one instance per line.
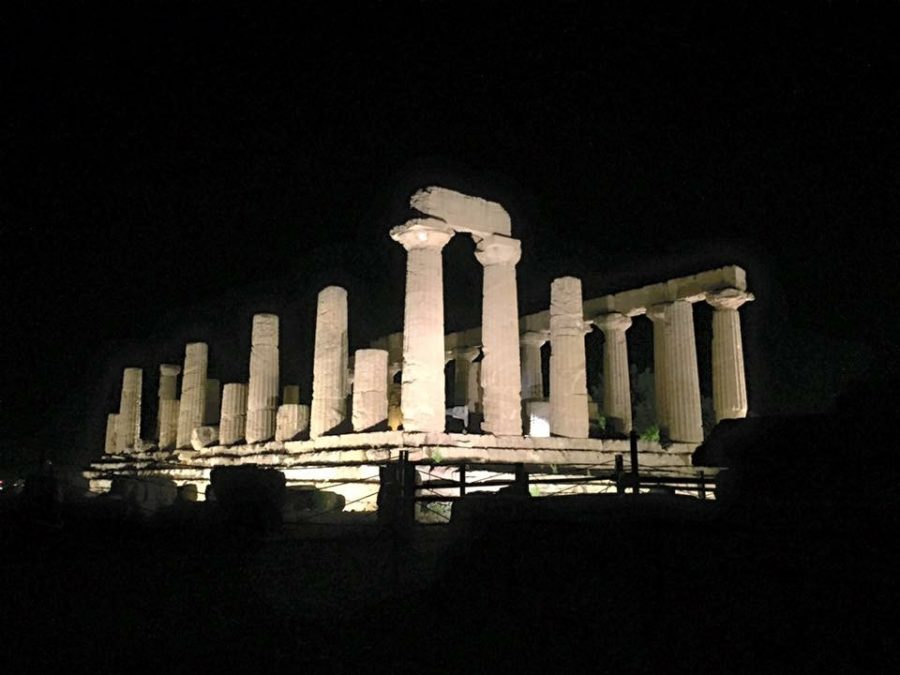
pixel 193 392
pixel 233 421
pixel 568 377
pixel 330 385
pixel 501 377
pixel 262 393
pixel 680 381
pixel 423 323
pixel 616 379
pixel 168 423
pixel 370 395
pixel 293 419
pixel 290 394
pixel 205 436
pixel 110 445
pixel 530 343
pixel 213 401
pixel 128 422
pixel 462 213
pixel 728 377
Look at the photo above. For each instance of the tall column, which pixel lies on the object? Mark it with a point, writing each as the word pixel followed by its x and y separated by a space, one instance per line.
pixel 233 421
pixel 262 392
pixel 193 392
pixel 501 377
pixel 109 445
pixel 168 424
pixel 568 376
pixel 616 380
pixel 680 379
pixel 462 362
pixel 329 386
pixel 168 381
pixel 530 344
pixel 128 423
pixel 370 395
pixel 728 379
pixel 423 324
pixel 657 315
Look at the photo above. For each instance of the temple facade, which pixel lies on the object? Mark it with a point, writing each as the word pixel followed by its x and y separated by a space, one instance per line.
pixel 374 406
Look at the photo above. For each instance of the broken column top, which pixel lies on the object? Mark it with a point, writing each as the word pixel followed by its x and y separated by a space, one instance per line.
pixel 462 213
pixel 265 329
pixel 169 369
pixel 422 233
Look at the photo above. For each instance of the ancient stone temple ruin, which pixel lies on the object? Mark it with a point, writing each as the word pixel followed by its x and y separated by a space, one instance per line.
pixel 384 405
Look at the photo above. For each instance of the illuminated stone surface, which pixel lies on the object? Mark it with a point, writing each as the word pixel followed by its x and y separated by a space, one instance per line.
pixel 168 424
pixel 370 395
pixel 193 392
pixel 330 386
pixel 678 382
pixel 423 324
pixel 501 378
pixel 292 420
pixel 616 379
pixel 262 390
pixel 233 420
pixel 568 377
pixel 202 437
pixel 128 421
pixel 538 419
pixel 109 445
pixel 168 391
pixel 213 402
pixel 530 343
pixel 462 213
pixel 729 381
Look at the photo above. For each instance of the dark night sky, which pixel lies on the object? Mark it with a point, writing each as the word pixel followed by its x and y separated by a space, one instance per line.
pixel 168 170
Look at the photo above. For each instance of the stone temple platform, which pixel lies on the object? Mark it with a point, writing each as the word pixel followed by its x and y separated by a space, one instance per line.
pixel 349 464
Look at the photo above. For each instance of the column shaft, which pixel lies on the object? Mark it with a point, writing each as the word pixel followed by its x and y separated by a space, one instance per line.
pixel 212 405
pixel 660 380
pixel 168 423
pixel 110 445
pixel 370 395
pixel 330 387
pixel 128 423
pixel 568 377
pixel 193 392
pixel 233 420
pixel 262 390
pixel 168 391
pixel 293 418
pixel 682 382
pixel 616 378
pixel 532 374
pixel 728 378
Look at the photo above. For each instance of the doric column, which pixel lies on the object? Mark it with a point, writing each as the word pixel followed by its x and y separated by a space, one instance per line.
pixel 462 362
pixel 193 392
pixel 109 445
pixel 168 424
pixel 680 382
pixel 728 379
pixel 168 381
pixel 262 390
pixel 530 344
pixel 329 386
pixel 293 418
pixel 568 376
pixel 128 423
pixel 370 394
pixel 473 395
pixel 501 378
pixel 657 315
pixel 423 323
pixel 212 405
pixel 233 420
pixel 616 380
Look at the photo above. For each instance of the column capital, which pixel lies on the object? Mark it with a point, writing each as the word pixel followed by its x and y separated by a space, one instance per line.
pixel 495 249
pixel 169 370
pixel 534 338
pixel 658 312
pixel 614 321
pixel 419 233
pixel 728 298
pixel 466 353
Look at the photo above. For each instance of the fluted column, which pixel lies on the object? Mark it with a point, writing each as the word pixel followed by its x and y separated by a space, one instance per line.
pixel 330 386
pixel 128 422
pixel 568 376
pixel 680 382
pixel 109 445
pixel 262 390
pixel 292 419
pixel 462 363
pixel 530 344
pixel 616 379
pixel 422 397
pixel 657 315
pixel 370 395
pixel 501 377
pixel 193 392
pixel 728 378
pixel 233 420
